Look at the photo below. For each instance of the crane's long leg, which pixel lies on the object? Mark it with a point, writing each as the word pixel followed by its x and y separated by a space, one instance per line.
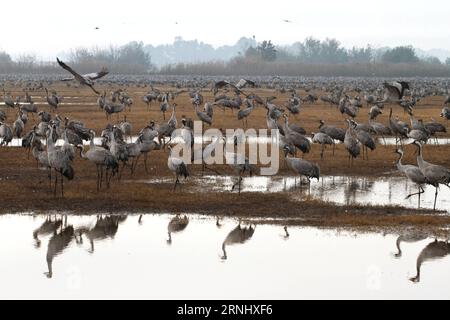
pixel 101 176
pixel 145 161
pixel 175 185
pixel 435 198
pixel 240 180
pixel 98 177
pixel 56 182
pixel 62 184
pixel 49 174
pixel 416 193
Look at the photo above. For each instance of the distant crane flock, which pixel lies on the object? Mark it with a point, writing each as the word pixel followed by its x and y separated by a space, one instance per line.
pixel 115 152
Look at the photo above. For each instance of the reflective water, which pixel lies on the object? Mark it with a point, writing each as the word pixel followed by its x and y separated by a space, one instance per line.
pixel 342 190
pixel 267 140
pixel 128 257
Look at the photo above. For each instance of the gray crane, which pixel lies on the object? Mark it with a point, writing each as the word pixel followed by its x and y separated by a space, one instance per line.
pixel 323 139
pixel 433 127
pixel 394 92
pixel 445 113
pixel 146 146
pixel 418 135
pixel 364 138
pixel 9 101
pixel 380 129
pixel 351 143
pixel 374 112
pixel 178 168
pixel 434 174
pixel 125 127
pixel 59 160
pixel 302 167
pixel 111 108
pixel 101 158
pixel 347 108
pixel 334 132
pixel 209 109
pixel 85 80
pixel 295 138
pixel 44 116
pixel 29 108
pixel 53 100
pixel 245 113
pixel 6 134
pixel 399 128
pixel 173 118
pixel 164 106
pixel 203 116
pixel 240 164
pixel 18 126
pixel 413 173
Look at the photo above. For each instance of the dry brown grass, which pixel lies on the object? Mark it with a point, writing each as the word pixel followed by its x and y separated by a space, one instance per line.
pixel 24 187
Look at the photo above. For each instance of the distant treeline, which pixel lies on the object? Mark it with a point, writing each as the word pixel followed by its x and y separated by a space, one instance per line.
pixel 311 57
pixel 261 68
pixel 127 59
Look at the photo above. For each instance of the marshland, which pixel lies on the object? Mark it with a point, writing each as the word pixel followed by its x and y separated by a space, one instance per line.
pixel 278 166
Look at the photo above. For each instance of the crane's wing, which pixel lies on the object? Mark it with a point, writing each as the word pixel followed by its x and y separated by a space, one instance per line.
pixel 97 75
pixel 93 89
pixel 244 82
pixel 68 79
pixel 393 90
pixel 220 84
pixel 75 74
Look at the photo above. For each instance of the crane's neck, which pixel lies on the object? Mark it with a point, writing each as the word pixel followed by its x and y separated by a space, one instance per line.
pixel 399 162
pixel 82 153
pixel 420 161
pixel 286 125
pixel 91 143
pixel 50 142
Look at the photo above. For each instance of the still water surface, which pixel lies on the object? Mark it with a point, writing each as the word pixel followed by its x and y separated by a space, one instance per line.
pixel 120 257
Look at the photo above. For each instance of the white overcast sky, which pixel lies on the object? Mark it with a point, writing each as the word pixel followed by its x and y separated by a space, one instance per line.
pixel 48 27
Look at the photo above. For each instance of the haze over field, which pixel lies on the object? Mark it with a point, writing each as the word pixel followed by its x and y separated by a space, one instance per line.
pixel 52 28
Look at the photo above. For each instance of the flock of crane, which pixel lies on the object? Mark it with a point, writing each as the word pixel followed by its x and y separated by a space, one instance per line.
pixel 115 153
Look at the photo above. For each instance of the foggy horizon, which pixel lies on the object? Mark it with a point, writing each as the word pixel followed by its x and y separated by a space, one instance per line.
pixel 48 31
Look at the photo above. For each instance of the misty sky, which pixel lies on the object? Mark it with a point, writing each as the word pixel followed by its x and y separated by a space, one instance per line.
pixel 47 28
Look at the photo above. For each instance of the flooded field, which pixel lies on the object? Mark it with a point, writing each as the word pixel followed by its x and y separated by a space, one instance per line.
pixel 340 190
pixel 132 257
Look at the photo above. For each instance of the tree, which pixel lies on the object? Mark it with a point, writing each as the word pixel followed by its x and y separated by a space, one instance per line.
pixel 447 61
pixel 432 60
pixel 251 53
pixel 133 53
pixel 267 50
pixel 361 55
pixel 402 54
pixel 309 50
pixel 5 58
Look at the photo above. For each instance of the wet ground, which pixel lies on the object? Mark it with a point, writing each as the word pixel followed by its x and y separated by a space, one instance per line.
pixel 340 190
pixel 131 257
